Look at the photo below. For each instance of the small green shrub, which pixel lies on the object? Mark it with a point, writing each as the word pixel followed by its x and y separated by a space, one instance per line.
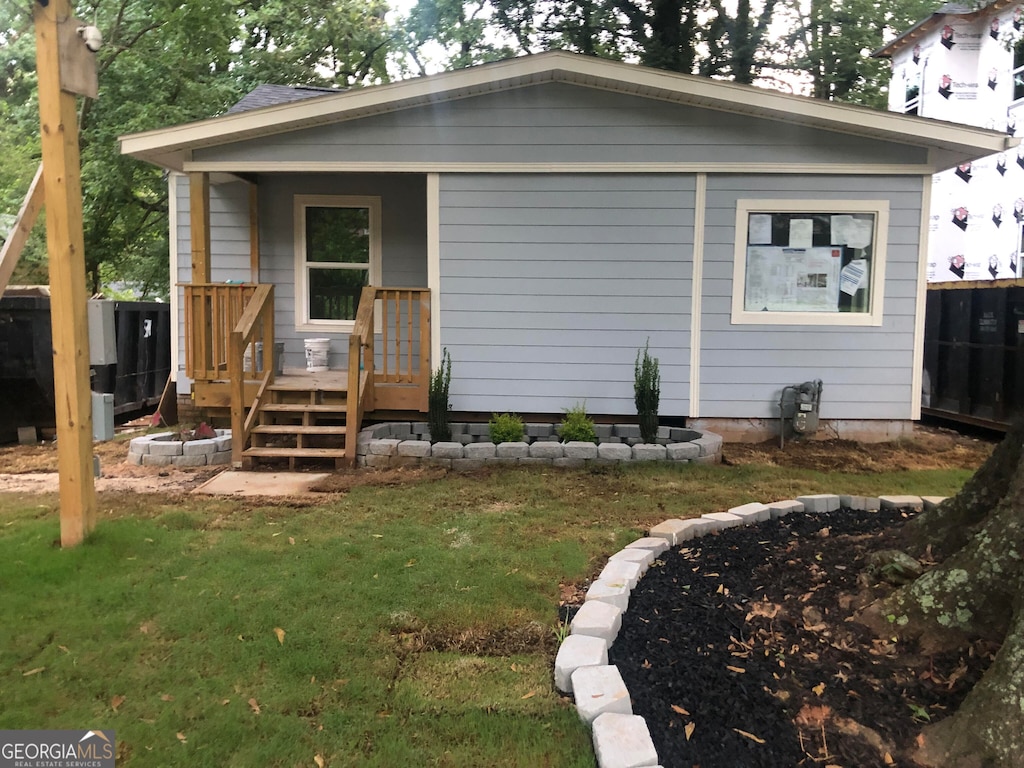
pixel 576 425
pixel 647 393
pixel 506 428
pixel 437 401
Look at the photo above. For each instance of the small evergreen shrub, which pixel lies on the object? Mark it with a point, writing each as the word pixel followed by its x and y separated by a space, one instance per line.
pixel 506 428
pixel 576 425
pixel 438 407
pixel 647 393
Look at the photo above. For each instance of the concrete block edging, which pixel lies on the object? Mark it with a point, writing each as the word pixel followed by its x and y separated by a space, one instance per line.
pixel 600 624
pixel 540 446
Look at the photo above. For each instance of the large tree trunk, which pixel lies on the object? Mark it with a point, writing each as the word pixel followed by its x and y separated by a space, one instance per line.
pixel 977 592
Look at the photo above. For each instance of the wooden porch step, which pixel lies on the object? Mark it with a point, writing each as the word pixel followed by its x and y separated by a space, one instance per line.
pixel 294 453
pixel 298 429
pixel 304 408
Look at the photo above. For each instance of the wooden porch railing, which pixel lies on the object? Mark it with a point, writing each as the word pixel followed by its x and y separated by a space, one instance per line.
pixel 212 310
pixel 256 323
pixel 396 374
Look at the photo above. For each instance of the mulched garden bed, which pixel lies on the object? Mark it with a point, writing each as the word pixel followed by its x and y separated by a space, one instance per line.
pixel 738 650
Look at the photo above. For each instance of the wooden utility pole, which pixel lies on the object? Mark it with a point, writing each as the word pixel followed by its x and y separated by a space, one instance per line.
pixel 55 42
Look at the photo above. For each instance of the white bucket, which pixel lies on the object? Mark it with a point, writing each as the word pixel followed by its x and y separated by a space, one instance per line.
pixel 316 354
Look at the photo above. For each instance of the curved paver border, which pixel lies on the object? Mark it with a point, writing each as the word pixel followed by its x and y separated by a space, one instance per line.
pixel 405 443
pixel 167 449
pixel 593 630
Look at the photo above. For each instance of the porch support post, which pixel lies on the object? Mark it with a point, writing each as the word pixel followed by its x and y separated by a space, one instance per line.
pixel 434 263
pixel 254 232
pixel 199 221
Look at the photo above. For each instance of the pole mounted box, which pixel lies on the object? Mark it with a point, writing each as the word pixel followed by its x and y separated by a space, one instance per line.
pixel 102 338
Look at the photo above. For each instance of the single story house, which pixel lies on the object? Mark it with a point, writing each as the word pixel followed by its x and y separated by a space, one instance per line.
pixel 543 219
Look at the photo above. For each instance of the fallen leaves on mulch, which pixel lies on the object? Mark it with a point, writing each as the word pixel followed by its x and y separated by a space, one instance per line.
pixel 749 633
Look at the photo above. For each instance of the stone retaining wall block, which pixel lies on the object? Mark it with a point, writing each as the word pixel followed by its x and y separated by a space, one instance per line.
pixel 682 451
pixel 578 651
pixel 819 502
pixel 513 450
pixel 598 690
pixel 546 450
pixel 386 447
pixel 642 557
pixel 614 592
pixel 710 444
pixel 722 520
pixel 579 449
pixel 597 619
pixel 779 509
pixel 198 448
pixel 165 448
pixel 754 512
pixel 649 452
pixel 418 448
pixel 480 451
pixel 656 545
pixel 616 571
pixel 614 452
pixel 902 502
pixel 446 450
pixel 623 741
pixel 156 460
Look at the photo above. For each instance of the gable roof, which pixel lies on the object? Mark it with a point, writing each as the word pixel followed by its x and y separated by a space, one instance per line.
pixel 929 24
pixel 948 143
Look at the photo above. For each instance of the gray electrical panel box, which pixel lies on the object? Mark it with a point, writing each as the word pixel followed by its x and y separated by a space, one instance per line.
pixel 102 416
pixel 102 341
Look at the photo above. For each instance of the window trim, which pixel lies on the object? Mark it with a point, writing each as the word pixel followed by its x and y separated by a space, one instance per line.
pixel 303 322
pixel 744 207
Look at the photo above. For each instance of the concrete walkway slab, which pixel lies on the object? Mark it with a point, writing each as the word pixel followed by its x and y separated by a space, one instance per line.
pixel 232 483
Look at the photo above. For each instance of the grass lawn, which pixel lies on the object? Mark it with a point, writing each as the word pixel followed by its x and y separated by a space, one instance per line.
pixel 392 625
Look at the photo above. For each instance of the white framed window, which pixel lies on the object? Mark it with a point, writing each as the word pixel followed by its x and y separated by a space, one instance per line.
pixel 809 262
pixel 337 254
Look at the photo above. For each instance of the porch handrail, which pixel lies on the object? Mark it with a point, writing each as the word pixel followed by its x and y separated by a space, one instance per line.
pixel 255 323
pixel 360 369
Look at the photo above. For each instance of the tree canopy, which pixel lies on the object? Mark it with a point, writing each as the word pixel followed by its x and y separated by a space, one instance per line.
pixel 166 62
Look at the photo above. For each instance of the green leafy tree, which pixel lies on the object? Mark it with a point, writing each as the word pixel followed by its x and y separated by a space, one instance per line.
pixel 166 62
pixel 830 42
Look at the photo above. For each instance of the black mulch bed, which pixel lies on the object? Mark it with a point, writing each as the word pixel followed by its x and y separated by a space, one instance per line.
pixel 741 639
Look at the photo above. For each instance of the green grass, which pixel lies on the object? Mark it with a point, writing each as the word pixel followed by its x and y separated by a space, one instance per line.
pixel 418 618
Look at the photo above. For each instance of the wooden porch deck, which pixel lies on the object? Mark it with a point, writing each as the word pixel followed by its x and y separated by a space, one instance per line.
pixel 304 414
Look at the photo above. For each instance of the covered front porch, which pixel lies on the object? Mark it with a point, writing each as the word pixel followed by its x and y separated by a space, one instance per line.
pixel 380 359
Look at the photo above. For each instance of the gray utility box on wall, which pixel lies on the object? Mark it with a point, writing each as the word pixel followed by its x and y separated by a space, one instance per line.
pixel 102 339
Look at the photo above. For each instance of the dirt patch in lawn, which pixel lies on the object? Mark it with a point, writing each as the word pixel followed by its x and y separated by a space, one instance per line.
pixel 929 448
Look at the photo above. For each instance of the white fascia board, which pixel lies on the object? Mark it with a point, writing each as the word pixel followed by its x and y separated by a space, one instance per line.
pixel 167 146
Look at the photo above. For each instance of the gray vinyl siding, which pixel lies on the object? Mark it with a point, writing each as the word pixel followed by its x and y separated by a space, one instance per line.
pixel 551 283
pixel 562 123
pixel 867 371
pixel 403 234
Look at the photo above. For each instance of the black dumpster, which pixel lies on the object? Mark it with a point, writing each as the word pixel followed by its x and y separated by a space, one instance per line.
pixel 974 355
pixel 142 332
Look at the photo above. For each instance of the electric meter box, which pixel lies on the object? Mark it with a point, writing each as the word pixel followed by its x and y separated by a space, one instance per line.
pixel 102 339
